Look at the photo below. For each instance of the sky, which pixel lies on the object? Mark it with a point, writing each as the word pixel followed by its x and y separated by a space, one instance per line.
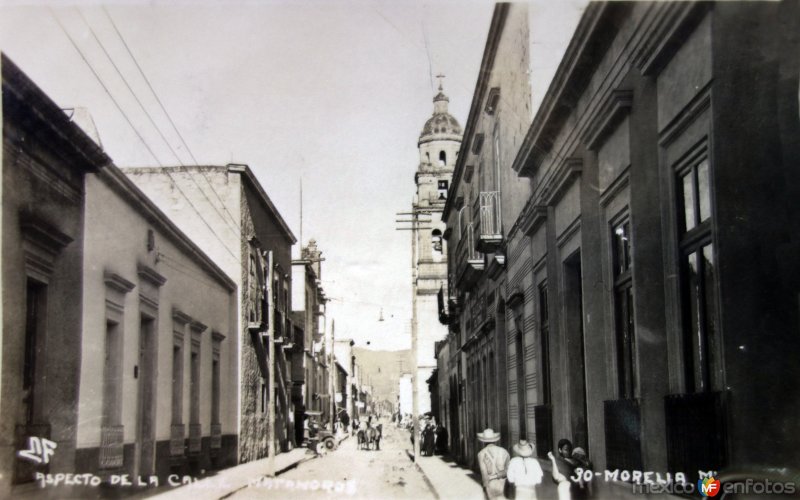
pixel 331 94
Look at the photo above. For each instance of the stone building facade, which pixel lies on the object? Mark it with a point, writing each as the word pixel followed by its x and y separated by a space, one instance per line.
pixel 45 160
pixel 648 305
pixel 663 305
pixel 239 226
pixel 438 145
pixel 158 380
pixel 480 375
pixel 309 356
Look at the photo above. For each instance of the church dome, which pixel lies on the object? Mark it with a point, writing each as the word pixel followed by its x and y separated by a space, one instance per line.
pixel 442 125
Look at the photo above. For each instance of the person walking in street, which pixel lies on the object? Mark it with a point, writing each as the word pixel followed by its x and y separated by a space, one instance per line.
pixel 493 462
pixel 524 472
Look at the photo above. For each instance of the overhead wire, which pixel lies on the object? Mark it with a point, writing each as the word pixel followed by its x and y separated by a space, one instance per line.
pixel 135 130
pixel 166 113
pixel 234 225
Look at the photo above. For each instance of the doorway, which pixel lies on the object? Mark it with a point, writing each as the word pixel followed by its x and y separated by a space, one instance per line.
pixel 145 418
pixel 576 360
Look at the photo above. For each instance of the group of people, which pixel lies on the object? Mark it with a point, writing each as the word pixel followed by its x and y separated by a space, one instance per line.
pixel 518 477
pixel 433 437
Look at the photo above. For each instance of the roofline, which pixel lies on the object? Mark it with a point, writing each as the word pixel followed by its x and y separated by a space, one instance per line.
pixel 241 169
pixel 116 179
pixel 597 22
pixel 253 181
pixel 47 117
pixel 489 52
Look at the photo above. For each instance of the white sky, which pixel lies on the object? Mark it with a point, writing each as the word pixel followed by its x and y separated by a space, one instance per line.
pixel 335 93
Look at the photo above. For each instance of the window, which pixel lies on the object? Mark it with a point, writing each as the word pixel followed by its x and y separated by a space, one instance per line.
pixel 522 388
pixel 177 383
pixel 693 184
pixel 436 240
pixel 263 396
pixel 442 158
pixel 36 311
pixel 442 189
pixel 111 382
pixel 544 341
pixel 215 391
pixel 623 310
pixel 194 413
pixel 253 289
pixel 496 170
pixel 702 361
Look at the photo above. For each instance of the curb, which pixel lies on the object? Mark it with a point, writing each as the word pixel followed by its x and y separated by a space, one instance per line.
pixel 277 473
pixel 424 476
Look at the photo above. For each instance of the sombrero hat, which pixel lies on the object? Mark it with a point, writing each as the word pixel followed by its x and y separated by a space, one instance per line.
pixel 488 436
pixel 523 449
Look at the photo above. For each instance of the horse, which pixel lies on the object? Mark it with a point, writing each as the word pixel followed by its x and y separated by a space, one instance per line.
pixel 372 436
pixel 361 436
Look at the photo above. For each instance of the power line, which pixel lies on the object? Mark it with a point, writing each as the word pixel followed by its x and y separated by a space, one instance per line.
pixel 234 225
pixel 136 131
pixel 85 60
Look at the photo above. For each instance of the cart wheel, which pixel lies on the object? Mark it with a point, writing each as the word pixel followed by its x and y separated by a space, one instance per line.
pixel 330 444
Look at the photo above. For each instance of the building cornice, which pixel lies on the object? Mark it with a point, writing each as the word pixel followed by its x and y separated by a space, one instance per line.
pixel 38 115
pixel 180 316
pixel 597 28
pixel 150 275
pixel 251 179
pixel 117 282
pixel 115 178
pixel 476 108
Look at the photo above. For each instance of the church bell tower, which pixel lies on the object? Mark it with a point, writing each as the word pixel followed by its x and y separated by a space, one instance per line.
pixel 438 146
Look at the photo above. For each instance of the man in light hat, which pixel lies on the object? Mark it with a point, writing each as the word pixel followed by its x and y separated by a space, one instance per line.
pixel 524 472
pixel 493 462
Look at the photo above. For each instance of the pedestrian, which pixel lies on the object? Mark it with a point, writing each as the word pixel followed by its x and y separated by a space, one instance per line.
pixel 559 478
pixel 564 469
pixel 428 439
pixel 441 440
pixel 524 472
pixel 582 462
pixel 493 462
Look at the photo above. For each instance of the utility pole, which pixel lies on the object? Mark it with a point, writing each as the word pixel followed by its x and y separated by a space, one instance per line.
pixel 414 221
pixel 332 378
pixel 270 367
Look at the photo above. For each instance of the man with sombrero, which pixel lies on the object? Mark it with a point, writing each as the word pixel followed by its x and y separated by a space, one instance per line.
pixel 493 462
pixel 524 471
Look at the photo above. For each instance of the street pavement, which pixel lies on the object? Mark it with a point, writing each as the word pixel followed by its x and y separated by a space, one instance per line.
pixel 350 473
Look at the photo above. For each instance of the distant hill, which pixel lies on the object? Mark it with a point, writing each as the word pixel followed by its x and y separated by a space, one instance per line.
pixel 382 370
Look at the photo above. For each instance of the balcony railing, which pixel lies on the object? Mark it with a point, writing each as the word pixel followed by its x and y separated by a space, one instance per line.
pixel 490 221
pixel 195 438
pixel 469 263
pixel 111 443
pixel 177 440
pixel 696 435
pixel 216 436
pixel 623 426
